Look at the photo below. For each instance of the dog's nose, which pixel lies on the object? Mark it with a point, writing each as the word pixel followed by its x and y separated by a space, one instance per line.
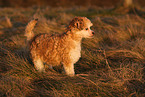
pixel 93 32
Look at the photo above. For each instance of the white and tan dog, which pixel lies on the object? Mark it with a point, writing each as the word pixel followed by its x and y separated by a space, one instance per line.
pixel 58 49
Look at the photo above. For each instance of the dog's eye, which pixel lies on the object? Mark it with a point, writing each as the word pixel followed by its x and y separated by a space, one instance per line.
pixel 86 28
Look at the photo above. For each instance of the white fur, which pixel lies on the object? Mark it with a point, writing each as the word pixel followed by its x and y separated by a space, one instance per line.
pixel 75 53
pixel 69 70
pixel 85 33
pixel 39 65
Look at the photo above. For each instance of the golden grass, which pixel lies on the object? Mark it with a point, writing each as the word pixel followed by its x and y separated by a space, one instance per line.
pixel 112 63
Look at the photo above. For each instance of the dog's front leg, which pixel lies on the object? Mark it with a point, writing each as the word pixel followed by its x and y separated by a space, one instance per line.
pixel 69 69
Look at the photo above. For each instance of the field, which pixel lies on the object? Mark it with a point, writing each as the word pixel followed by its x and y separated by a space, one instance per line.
pixel 112 63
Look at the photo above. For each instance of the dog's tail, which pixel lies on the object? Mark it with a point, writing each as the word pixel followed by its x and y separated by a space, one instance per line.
pixel 29 29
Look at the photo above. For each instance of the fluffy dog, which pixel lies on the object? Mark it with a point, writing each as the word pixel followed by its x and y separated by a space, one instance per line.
pixel 60 49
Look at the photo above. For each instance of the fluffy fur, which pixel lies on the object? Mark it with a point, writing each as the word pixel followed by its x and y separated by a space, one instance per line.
pixel 58 49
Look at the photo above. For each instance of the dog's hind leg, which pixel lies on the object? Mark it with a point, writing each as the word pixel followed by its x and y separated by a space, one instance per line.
pixel 38 63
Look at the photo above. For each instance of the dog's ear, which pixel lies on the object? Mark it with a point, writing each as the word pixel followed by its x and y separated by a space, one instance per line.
pixel 78 24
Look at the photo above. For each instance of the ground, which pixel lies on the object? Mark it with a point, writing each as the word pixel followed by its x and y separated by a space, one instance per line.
pixel 112 63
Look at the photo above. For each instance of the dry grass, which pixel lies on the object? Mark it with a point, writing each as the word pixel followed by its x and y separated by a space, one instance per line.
pixel 112 63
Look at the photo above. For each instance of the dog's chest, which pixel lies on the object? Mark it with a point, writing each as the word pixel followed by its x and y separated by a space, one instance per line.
pixel 75 53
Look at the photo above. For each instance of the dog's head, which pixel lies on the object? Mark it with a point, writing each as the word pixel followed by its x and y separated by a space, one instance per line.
pixel 81 26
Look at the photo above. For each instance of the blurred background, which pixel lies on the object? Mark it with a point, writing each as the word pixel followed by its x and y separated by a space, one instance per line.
pixel 63 3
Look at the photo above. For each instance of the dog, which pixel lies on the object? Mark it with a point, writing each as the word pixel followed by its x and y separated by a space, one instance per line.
pixel 59 49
